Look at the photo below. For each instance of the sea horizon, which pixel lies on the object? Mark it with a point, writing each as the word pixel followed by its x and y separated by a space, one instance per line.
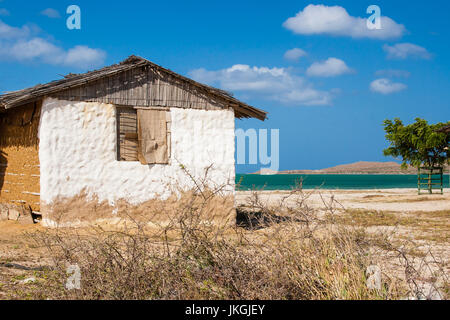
pixel 329 181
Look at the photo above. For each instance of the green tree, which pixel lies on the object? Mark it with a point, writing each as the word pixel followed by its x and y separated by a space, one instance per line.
pixel 418 144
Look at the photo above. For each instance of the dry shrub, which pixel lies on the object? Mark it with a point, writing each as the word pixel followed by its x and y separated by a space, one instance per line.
pixel 287 251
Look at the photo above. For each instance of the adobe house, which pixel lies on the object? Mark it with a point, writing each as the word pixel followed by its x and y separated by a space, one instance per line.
pixel 122 133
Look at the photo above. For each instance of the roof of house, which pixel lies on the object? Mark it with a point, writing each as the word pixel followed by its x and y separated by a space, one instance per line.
pixel 21 97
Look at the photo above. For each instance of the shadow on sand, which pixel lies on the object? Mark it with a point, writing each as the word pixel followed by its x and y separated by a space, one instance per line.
pixel 250 220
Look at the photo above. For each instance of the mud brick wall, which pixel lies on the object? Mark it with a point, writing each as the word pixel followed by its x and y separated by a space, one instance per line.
pixel 19 156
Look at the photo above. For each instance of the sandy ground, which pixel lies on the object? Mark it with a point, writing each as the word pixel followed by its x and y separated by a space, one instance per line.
pixel 427 225
pixel 420 223
pixel 395 200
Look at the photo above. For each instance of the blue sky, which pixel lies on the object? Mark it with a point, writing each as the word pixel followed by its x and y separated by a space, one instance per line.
pixel 328 96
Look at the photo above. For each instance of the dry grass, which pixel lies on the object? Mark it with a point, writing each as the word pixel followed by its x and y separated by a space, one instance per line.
pixel 434 236
pixel 276 253
pixel 426 226
pixel 370 218
pixel 297 258
pixel 417 219
pixel 397 199
pixel 441 214
pixel 287 260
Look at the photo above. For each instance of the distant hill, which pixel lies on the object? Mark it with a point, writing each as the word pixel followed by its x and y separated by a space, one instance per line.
pixel 365 167
pixel 362 167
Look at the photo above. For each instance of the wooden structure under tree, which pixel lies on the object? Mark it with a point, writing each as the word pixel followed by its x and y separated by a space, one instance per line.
pixel 430 178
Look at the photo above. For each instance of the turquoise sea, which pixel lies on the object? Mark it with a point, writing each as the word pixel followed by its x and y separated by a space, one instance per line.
pixel 328 181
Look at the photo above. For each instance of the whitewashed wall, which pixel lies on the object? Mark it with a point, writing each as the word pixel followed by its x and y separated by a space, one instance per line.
pixel 77 152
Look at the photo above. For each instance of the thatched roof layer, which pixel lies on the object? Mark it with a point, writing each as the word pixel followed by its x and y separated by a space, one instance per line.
pixel 25 96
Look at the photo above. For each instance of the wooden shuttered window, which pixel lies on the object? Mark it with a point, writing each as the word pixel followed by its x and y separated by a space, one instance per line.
pixel 127 134
pixel 152 131
pixel 143 135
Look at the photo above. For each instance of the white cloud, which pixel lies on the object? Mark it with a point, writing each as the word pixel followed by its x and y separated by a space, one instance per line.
pixel 4 12
pixel 386 86
pixel 30 49
pixel 278 84
pixel 8 32
pixel 405 50
pixel 393 73
pixel 335 20
pixel 83 57
pixel 332 67
pixel 19 44
pixel 51 13
pixel 294 54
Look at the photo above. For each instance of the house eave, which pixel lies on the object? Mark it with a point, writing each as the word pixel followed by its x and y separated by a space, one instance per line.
pixel 25 96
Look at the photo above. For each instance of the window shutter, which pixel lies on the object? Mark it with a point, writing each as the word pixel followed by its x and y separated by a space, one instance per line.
pixel 153 136
pixel 127 134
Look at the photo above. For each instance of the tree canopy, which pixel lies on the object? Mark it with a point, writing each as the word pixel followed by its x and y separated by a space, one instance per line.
pixel 417 144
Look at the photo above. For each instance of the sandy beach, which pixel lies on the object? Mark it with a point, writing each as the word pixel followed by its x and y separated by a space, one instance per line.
pixel 393 200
